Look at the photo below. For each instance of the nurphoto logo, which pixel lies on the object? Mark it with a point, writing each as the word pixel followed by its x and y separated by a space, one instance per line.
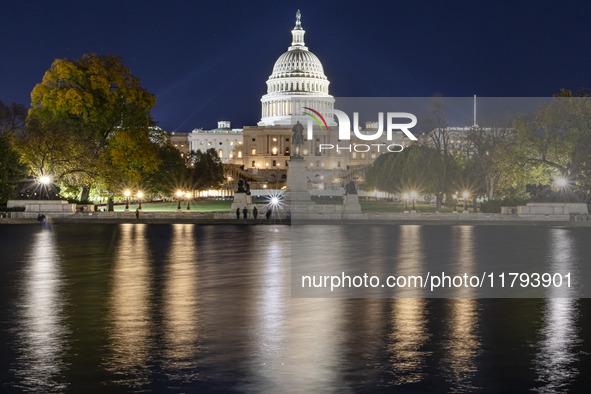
pixel 392 124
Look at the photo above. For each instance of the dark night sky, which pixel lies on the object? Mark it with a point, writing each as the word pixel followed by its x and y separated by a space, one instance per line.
pixel 207 61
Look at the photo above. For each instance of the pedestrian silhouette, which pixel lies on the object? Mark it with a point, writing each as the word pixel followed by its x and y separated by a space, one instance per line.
pixel 255 212
pixel 268 214
pixel 245 213
pixel 137 213
pixel 237 213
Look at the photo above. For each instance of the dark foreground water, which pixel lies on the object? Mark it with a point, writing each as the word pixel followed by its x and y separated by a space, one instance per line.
pixel 188 308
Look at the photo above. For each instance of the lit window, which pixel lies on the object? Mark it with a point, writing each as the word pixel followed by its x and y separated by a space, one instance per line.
pixel 239 142
pixel 240 154
pixel 253 152
pixel 274 139
pixel 221 153
pixel 231 142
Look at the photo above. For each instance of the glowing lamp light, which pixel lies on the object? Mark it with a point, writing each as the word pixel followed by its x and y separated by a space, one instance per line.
pixel 45 180
pixel 140 194
pixel 405 196
pixel 188 195
pixel 127 193
pixel 465 194
pixel 179 193
pixel 274 201
pixel 561 182
pixel 413 194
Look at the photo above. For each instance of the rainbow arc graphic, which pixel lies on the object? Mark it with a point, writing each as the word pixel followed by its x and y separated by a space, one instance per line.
pixel 315 118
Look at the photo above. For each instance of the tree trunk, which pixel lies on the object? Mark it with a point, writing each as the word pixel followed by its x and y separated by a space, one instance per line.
pixel 85 194
pixel 438 201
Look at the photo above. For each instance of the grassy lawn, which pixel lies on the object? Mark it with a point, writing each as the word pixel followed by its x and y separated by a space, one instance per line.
pixel 224 206
pixel 196 205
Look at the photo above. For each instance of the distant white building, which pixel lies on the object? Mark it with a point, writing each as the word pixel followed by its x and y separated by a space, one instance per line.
pixel 225 140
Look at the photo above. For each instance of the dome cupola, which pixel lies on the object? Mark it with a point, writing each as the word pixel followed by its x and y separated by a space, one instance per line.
pixel 297 81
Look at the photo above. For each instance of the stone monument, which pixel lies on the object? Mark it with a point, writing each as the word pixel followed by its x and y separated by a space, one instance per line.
pixel 351 199
pixel 297 196
pixel 242 197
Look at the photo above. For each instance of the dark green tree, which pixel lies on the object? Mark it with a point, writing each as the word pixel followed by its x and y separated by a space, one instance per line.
pixel 172 173
pixel 207 170
pixel 12 171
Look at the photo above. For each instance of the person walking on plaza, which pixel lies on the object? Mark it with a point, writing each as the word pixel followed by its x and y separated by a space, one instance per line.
pixel 255 213
pixel 237 213
pixel 268 214
pixel 245 213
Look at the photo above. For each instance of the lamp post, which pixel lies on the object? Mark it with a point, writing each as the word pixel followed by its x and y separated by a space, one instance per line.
pixel 179 196
pixel 562 184
pixel 139 197
pixel 414 197
pixel 405 196
pixel 465 195
pixel 188 201
pixel 127 193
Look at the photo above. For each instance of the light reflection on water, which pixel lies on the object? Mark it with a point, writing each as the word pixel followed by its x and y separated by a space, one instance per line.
pixel 129 323
pixel 42 329
pixel 462 343
pixel 409 315
pixel 181 320
pixel 558 335
pixel 196 308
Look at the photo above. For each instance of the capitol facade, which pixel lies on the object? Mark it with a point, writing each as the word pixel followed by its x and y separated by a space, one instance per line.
pixel 261 153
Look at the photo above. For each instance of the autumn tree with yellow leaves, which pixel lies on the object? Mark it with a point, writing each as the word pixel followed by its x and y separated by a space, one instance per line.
pixel 90 124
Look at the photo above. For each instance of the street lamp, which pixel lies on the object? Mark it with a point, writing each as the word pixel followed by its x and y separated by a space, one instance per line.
pixel 127 193
pixel 405 196
pixel 414 197
pixel 562 183
pixel 465 195
pixel 179 195
pixel 139 197
pixel 44 180
pixel 188 201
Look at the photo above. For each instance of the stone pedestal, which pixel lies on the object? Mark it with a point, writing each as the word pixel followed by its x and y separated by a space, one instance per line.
pixel 351 204
pixel 241 200
pixel 297 194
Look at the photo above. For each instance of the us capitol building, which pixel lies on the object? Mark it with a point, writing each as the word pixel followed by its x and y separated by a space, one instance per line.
pixel 261 152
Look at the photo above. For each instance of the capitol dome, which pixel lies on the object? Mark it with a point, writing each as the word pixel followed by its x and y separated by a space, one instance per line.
pixel 297 81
